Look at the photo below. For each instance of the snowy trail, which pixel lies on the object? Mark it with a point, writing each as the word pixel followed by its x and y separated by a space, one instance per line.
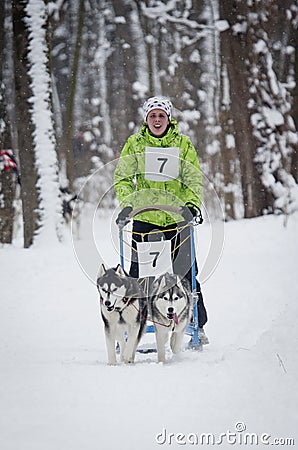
pixel 57 393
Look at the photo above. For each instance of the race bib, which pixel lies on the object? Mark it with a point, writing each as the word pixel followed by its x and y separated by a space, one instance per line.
pixel 161 164
pixel 154 258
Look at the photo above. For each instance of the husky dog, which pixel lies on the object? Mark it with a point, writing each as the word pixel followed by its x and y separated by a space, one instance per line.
pixel 171 309
pixel 124 312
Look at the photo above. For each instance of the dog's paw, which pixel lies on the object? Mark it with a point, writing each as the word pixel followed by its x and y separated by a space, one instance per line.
pixel 128 360
pixel 112 363
pixel 162 361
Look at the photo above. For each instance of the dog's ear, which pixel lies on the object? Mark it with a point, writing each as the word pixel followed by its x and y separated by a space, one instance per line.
pixel 179 283
pixel 101 271
pixel 163 281
pixel 184 286
pixel 119 271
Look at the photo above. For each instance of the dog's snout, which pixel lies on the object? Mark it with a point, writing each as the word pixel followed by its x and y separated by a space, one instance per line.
pixel 107 303
pixel 170 310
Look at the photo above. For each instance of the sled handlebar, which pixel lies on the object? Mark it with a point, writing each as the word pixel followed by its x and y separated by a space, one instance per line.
pixel 169 208
pixel 141 209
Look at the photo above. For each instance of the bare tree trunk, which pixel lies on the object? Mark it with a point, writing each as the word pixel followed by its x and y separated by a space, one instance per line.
pixel 228 156
pixel 7 178
pixel 294 168
pixel 69 115
pixel 122 62
pixel 227 136
pixel 234 54
pixel 149 53
pixel 7 189
pixel 24 124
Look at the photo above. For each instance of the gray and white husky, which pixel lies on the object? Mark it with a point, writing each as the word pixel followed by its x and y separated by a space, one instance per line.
pixel 171 308
pixel 124 312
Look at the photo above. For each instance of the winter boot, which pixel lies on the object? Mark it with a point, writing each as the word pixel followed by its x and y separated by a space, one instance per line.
pixel 202 336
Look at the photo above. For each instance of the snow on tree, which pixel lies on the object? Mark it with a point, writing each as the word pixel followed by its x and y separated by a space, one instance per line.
pixel 50 210
pixel 273 125
pixel 227 65
pixel 257 57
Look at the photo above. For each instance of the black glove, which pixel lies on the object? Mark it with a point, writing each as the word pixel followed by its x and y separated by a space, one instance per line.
pixel 188 212
pixel 123 215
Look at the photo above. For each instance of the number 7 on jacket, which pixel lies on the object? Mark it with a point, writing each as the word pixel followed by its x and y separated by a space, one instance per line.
pixel 161 164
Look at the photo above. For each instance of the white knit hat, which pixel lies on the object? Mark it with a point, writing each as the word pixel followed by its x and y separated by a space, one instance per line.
pixel 158 103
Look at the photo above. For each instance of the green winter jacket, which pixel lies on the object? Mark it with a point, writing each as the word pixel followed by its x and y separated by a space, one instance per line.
pixel 131 181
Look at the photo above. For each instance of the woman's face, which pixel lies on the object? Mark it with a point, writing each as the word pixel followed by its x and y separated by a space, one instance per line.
pixel 157 121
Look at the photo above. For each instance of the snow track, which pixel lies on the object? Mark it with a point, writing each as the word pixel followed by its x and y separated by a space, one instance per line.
pixel 57 393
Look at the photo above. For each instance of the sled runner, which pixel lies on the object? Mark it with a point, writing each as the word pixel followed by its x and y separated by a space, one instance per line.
pixel 154 257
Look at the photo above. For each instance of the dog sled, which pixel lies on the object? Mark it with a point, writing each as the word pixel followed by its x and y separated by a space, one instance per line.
pixel 152 265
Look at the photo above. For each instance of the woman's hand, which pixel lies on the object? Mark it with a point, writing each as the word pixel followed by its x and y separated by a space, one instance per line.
pixel 123 215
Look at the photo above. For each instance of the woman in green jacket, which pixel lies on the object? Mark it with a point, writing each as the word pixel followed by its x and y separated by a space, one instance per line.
pixel 160 166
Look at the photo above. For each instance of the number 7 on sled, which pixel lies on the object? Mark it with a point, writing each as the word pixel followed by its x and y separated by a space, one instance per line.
pixel 154 258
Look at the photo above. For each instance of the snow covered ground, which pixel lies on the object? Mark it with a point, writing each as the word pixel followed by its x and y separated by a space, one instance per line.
pixel 57 392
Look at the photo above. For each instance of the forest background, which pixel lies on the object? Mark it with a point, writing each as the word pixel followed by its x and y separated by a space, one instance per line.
pixel 74 76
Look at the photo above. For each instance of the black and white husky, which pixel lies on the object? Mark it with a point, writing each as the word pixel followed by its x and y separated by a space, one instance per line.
pixel 124 312
pixel 171 308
